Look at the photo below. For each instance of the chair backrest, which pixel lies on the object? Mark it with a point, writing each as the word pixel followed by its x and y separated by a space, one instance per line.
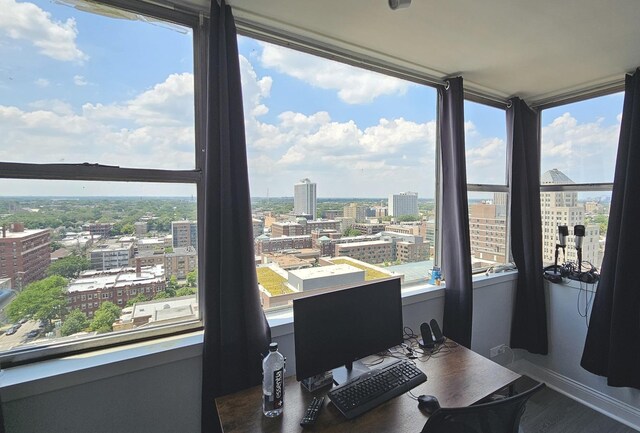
pixel 500 416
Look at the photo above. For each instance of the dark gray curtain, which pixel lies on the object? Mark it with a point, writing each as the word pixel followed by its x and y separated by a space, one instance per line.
pixel 529 324
pixel 235 328
pixel 612 348
pixel 456 243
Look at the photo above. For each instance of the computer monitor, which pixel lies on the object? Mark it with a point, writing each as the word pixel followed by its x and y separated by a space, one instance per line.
pixel 336 328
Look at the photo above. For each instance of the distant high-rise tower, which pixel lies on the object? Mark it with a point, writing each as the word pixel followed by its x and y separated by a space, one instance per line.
pixel 185 234
pixel 404 203
pixel 562 208
pixel 304 198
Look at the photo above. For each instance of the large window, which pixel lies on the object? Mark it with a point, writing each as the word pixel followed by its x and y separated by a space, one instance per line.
pixel 579 146
pixel 98 196
pixel 342 172
pixel 485 140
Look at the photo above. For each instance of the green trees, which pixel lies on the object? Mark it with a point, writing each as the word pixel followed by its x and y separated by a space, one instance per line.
pixel 75 322
pixel 407 218
pixel 68 267
pixel 138 298
pixel 192 278
pixel 351 232
pixel 42 300
pixel 184 291
pixel 104 317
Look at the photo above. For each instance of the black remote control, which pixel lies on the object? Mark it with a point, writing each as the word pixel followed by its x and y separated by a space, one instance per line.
pixel 312 412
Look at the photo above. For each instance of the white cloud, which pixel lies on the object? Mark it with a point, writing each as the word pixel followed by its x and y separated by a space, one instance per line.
pixel 79 80
pixel 167 103
pixel 395 154
pixel 42 82
pixel 585 152
pixel 26 21
pixel 155 129
pixel 54 105
pixel 354 86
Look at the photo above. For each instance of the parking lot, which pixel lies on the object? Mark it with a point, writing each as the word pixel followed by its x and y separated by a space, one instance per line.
pixel 20 337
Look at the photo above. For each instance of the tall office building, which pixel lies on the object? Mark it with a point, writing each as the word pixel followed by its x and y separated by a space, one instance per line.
pixel 24 254
pixel 185 234
pixel 355 211
pixel 562 208
pixel 488 230
pixel 304 198
pixel 404 203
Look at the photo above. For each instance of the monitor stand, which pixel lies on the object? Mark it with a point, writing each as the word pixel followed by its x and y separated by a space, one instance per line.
pixel 349 371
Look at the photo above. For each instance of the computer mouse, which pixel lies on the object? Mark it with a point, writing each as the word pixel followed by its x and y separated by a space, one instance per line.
pixel 428 403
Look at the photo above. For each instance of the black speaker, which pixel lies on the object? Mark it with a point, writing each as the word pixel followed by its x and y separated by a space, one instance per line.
pixel 437 333
pixel 427 339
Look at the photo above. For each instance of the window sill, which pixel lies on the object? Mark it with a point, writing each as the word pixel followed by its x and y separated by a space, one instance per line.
pixel 46 376
pixel 281 321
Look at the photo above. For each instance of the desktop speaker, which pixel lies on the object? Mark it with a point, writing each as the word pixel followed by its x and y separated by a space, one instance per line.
pixel 427 339
pixel 437 333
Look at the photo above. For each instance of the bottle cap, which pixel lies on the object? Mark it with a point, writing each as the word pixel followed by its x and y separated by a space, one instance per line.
pixel 273 347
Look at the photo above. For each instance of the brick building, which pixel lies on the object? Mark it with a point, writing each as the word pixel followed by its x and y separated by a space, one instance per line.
pixel 265 244
pixel 99 230
pixel 93 288
pixel 302 227
pixel 180 262
pixel 369 252
pixel 24 254
pixel 185 234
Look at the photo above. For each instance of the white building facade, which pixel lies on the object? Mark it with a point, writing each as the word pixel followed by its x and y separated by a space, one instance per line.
pixel 304 198
pixel 404 203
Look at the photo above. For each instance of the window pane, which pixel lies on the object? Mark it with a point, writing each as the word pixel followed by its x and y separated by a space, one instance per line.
pixel 81 87
pixel 130 249
pixel 590 209
pixel 580 141
pixel 485 141
pixel 488 229
pixel 342 172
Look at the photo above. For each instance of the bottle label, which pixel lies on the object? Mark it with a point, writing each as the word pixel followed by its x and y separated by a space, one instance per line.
pixel 278 388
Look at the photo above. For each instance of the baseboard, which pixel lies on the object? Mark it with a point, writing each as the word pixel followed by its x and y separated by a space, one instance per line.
pixel 596 400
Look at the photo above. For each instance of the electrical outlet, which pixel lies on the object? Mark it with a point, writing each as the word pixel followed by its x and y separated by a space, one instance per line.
pixel 498 350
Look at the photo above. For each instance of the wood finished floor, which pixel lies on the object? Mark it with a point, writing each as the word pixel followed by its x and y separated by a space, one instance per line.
pixel 548 411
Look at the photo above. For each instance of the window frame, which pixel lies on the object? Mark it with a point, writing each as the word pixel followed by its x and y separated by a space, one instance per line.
pixel 497 188
pixel 107 173
pixel 573 187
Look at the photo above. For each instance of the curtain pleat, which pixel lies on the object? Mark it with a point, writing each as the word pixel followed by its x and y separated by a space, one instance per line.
pixel 456 250
pixel 529 324
pixel 612 347
pixel 235 329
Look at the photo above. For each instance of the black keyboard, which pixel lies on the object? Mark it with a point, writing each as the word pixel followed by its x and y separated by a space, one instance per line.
pixel 375 387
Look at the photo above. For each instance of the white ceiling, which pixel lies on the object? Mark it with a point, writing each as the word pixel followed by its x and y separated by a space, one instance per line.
pixel 536 49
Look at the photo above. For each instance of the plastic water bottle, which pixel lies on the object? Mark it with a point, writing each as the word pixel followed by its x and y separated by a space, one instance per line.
pixel 273 382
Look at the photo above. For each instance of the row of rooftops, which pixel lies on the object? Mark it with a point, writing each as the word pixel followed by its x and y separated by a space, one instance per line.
pixel 117 277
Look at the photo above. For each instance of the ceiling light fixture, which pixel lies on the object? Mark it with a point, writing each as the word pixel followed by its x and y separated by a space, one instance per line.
pixel 399 4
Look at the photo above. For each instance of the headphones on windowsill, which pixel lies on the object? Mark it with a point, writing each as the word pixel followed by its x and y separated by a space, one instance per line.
pixel 555 274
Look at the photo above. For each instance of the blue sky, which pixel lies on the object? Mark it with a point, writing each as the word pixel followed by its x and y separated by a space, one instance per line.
pixel 78 87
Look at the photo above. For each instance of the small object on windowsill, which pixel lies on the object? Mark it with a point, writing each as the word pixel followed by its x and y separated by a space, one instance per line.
pixel 436 276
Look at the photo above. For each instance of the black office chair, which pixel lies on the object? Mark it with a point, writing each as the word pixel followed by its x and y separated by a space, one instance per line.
pixel 499 416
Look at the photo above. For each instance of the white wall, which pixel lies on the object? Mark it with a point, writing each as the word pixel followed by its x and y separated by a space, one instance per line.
pixel 561 368
pixel 159 388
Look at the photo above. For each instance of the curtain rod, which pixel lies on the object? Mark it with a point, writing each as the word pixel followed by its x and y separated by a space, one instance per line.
pixel 602 89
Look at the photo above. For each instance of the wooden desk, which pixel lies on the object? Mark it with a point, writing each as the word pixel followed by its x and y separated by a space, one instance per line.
pixel 459 378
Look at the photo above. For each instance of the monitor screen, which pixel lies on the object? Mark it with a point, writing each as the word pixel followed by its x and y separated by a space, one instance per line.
pixel 336 328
